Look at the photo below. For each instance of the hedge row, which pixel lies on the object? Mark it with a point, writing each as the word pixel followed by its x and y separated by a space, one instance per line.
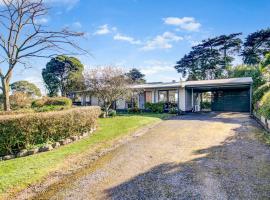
pixel 264 105
pixel 258 94
pixel 24 131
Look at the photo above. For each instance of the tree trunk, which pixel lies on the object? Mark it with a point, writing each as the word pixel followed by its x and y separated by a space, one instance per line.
pixel 5 86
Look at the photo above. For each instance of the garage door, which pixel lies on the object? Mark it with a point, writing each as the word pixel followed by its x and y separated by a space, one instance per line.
pixel 237 100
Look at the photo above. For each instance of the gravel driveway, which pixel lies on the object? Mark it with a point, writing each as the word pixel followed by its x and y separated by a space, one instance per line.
pixel 196 156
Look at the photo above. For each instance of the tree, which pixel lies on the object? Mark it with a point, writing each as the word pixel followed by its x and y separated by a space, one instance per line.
pixel 135 76
pixel 108 84
pixel 22 37
pixel 63 74
pixel 265 66
pixel 256 45
pixel 26 87
pixel 209 59
pixel 248 71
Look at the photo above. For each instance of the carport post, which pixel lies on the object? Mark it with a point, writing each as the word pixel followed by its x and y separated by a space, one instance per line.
pixel 250 98
pixel 192 103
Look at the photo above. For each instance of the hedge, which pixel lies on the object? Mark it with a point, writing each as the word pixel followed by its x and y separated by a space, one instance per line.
pixel 264 105
pixel 52 101
pixel 24 131
pixel 258 94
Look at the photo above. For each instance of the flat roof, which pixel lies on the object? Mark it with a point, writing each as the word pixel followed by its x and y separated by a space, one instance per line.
pixel 215 82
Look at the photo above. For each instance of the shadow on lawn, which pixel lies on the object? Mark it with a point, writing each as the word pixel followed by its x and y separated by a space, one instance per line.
pixel 237 169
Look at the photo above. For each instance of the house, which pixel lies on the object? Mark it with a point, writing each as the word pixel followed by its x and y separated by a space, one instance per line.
pixel 232 94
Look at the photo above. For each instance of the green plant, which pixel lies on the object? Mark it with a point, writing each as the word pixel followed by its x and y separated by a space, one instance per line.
pixel 134 110
pixel 19 100
pixel 20 131
pixel 258 94
pixel 112 113
pixel 173 110
pixel 205 105
pixel 264 105
pixel 155 107
pixel 52 102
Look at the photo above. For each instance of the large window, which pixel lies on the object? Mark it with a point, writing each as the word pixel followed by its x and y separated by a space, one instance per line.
pixel 168 96
pixel 148 96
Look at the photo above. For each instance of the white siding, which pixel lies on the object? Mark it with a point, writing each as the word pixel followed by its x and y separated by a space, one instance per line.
pixel 120 104
pixel 182 99
pixel 94 101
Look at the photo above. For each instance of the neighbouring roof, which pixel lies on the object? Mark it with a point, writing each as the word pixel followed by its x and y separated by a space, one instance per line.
pixel 216 82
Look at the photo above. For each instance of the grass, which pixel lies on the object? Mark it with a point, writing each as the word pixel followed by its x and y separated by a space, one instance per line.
pixel 19 173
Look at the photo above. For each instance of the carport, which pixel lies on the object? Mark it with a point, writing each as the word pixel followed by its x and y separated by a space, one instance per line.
pixel 234 95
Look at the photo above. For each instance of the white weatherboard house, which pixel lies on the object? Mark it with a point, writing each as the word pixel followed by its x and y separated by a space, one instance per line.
pixel 232 94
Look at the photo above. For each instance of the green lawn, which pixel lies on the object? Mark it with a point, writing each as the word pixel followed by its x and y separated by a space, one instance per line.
pixel 19 173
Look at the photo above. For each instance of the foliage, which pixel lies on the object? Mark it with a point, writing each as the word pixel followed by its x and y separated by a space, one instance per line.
pixel 17 174
pixel 155 107
pixel 19 100
pixel 112 113
pixel 108 84
pixel 26 87
pixel 135 76
pixel 21 131
pixel 265 66
pixel 63 74
pixel 173 110
pixel 205 105
pixel 52 101
pixel 264 105
pixel 247 71
pixel 256 45
pixel 259 93
pixel 134 110
pixel 208 60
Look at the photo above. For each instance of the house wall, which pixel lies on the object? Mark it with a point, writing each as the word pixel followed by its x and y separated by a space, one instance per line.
pixel 188 100
pixel 182 99
pixel 121 104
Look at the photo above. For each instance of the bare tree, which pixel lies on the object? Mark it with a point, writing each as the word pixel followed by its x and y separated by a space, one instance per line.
pixel 108 84
pixel 23 37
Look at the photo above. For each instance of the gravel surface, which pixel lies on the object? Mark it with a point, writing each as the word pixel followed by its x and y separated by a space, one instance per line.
pixel 196 156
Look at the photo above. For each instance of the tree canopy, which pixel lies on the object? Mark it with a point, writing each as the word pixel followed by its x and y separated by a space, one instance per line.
pixel 63 74
pixel 256 46
pixel 209 59
pixel 135 76
pixel 26 87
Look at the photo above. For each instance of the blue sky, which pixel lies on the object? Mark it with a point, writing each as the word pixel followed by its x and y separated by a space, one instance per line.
pixel 147 34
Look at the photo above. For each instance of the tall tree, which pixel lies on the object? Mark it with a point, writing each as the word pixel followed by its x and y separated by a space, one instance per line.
pixel 26 87
pixel 63 74
pixel 22 38
pixel 256 45
pixel 135 76
pixel 208 60
pixel 108 84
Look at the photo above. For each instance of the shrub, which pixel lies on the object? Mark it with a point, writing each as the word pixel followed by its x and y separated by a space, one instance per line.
pixel 112 113
pixel 173 110
pixel 205 105
pixel 155 107
pixel 19 100
pixel 258 94
pixel 134 110
pixel 22 131
pixel 51 103
pixel 264 105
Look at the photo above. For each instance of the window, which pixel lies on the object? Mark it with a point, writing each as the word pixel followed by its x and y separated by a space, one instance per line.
pixel 173 96
pixel 162 96
pixel 148 96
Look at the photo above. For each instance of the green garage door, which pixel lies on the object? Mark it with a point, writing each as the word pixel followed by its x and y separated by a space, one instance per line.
pixel 234 100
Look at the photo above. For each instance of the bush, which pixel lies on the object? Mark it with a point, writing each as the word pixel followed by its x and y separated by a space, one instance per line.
pixel 18 132
pixel 19 100
pixel 51 103
pixel 205 105
pixel 134 110
pixel 112 113
pixel 155 107
pixel 258 94
pixel 173 110
pixel 264 105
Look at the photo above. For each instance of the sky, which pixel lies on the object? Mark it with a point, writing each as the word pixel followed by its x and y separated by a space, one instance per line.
pixel 150 35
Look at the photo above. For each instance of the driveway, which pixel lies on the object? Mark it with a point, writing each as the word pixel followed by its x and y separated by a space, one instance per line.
pixel 196 156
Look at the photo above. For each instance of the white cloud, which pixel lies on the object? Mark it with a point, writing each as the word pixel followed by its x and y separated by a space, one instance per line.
pixel 163 41
pixel 42 20
pixel 128 39
pixel 186 23
pixel 77 25
pixel 102 30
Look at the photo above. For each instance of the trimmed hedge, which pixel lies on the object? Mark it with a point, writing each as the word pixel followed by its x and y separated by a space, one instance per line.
pixel 52 101
pixel 155 107
pixel 264 105
pixel 258 94
pixel 23 131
